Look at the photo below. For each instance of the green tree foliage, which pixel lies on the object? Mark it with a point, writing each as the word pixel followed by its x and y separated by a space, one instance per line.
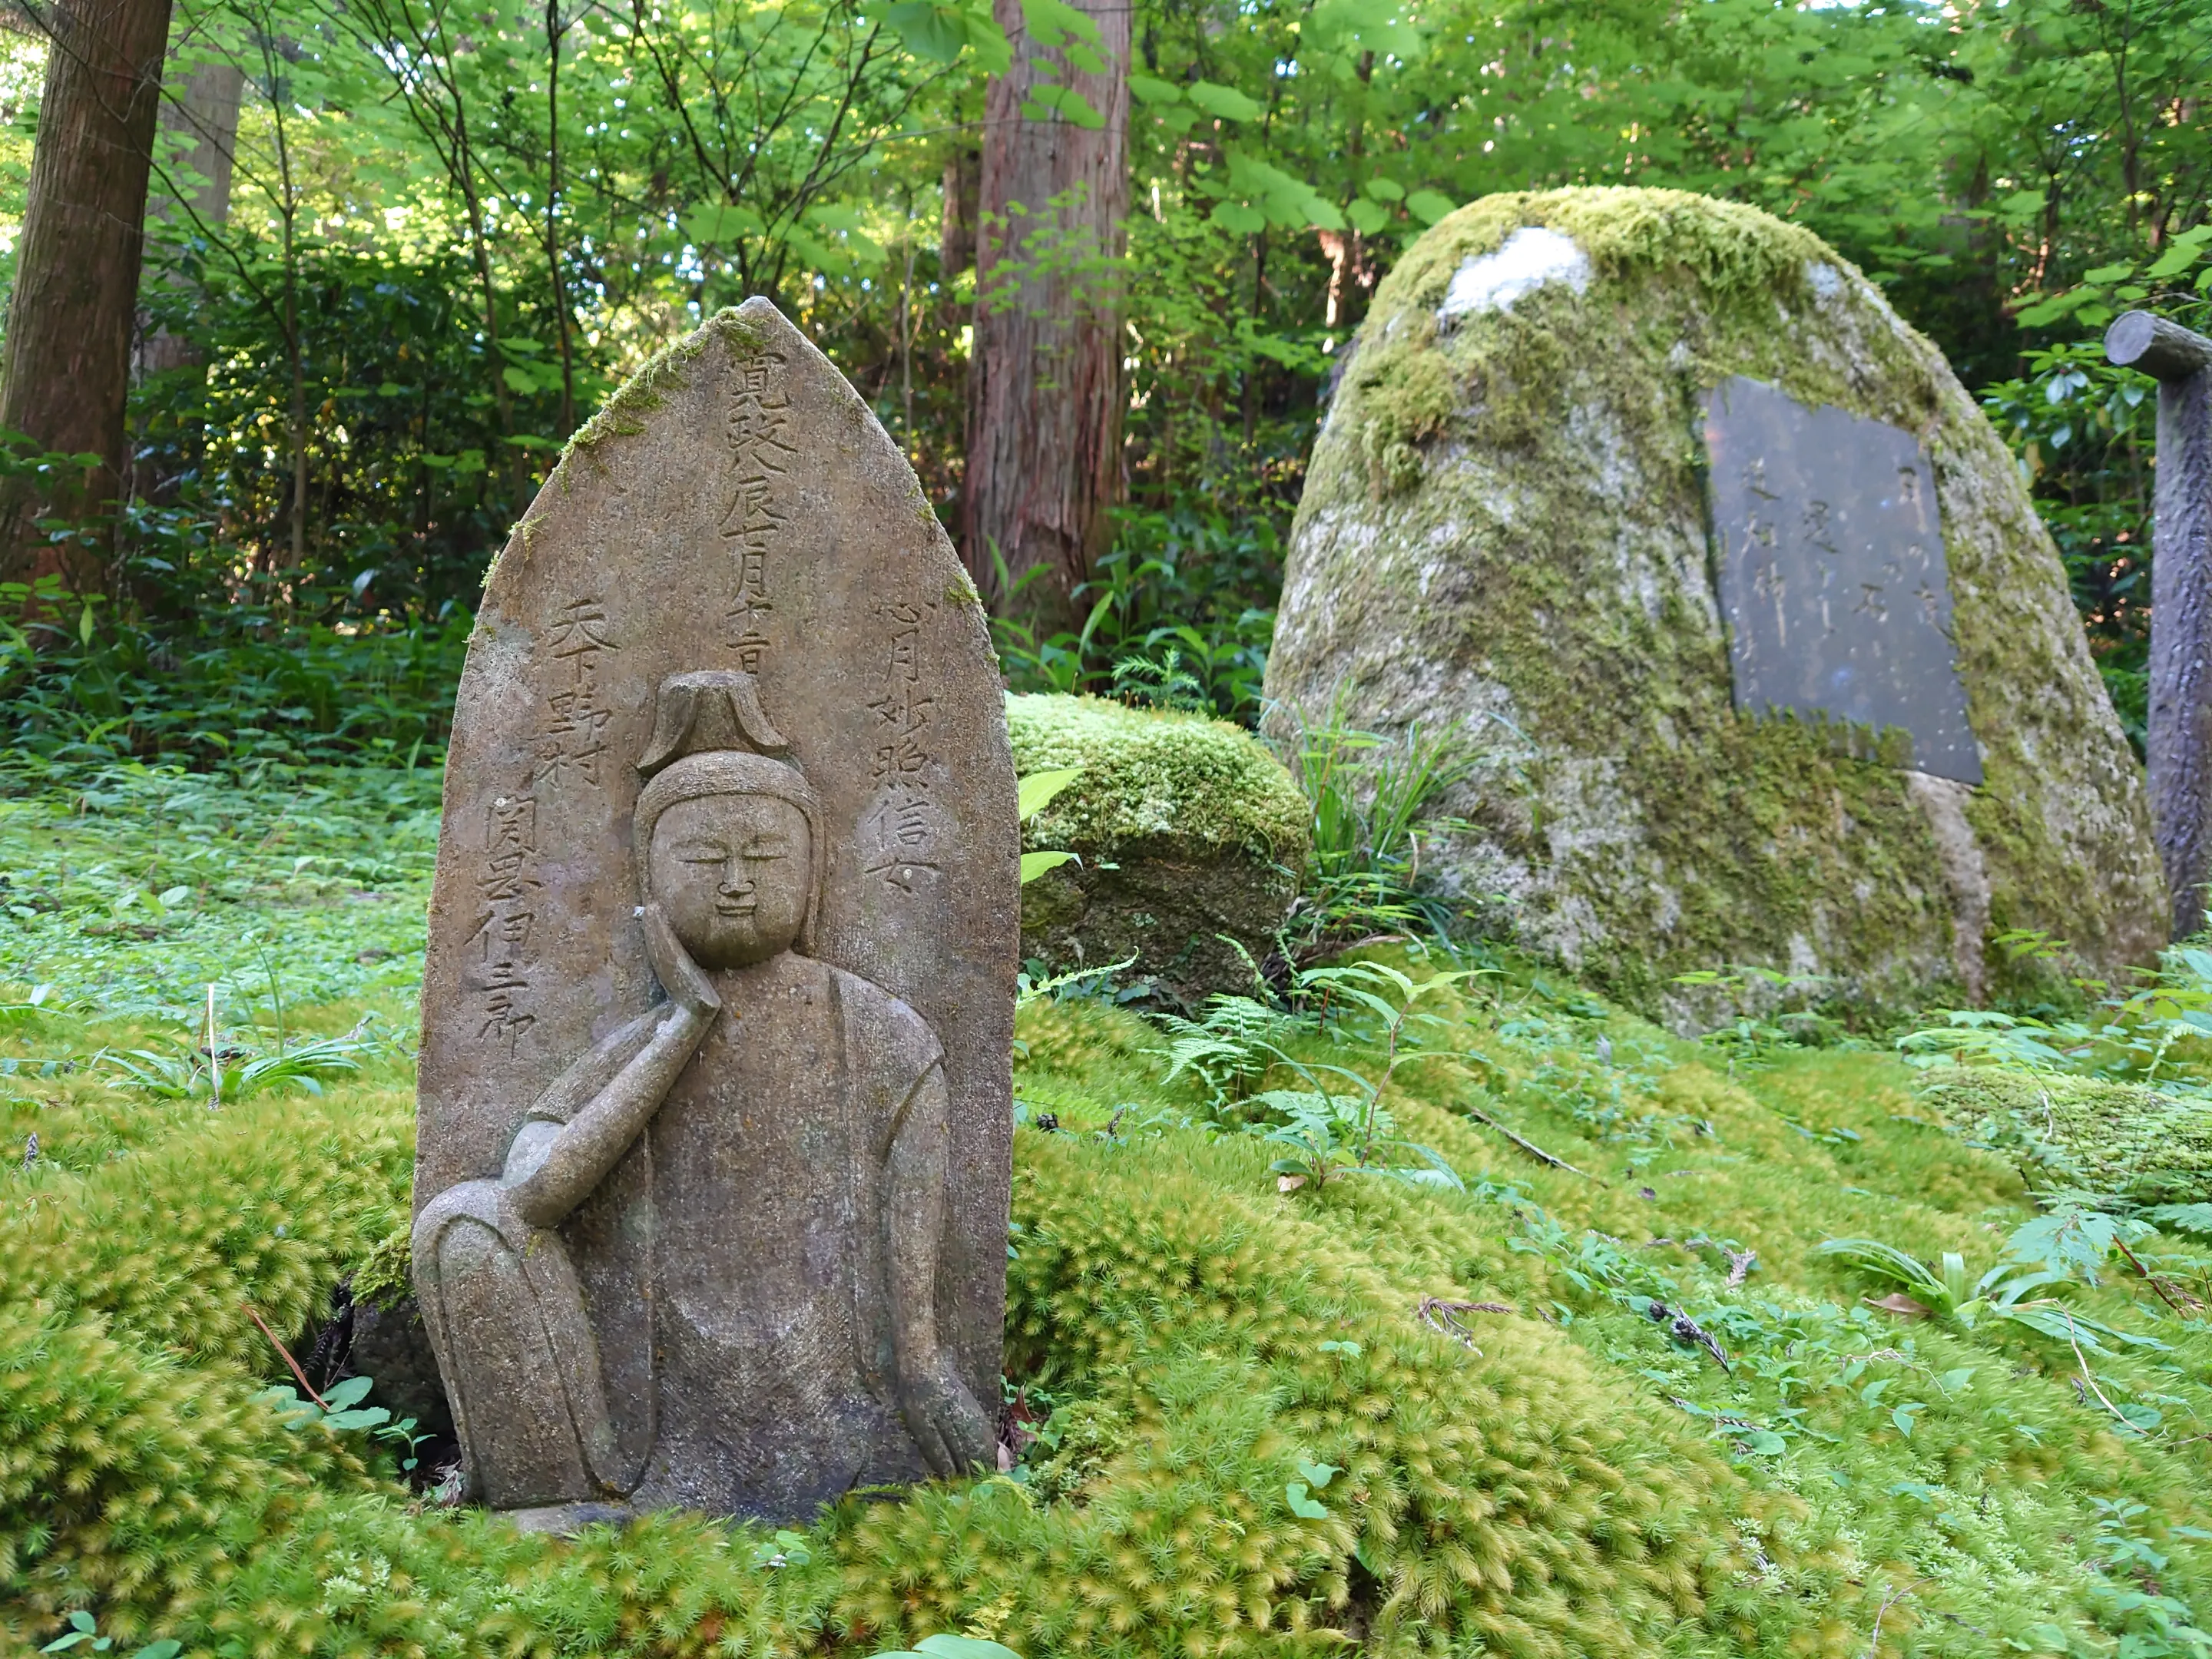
pixel 452 233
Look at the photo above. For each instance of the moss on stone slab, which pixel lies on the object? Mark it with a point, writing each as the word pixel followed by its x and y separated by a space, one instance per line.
pixel 1187 827
pixel 1506 514
pixel 2110 1137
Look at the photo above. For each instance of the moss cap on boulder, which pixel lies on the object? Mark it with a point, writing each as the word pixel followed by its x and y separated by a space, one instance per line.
pixel 1506 515
pixel 1187 829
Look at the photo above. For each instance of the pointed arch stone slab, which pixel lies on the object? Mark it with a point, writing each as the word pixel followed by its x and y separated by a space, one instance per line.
pixel 736 506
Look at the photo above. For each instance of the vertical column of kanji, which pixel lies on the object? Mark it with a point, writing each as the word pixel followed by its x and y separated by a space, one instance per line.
pixel 902 829
pixel 759 508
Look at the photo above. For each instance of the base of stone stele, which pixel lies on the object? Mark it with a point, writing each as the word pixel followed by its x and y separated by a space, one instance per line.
pixel 566 1520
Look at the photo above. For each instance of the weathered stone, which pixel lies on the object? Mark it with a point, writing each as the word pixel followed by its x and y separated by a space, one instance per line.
pixel 1508 515
pixel 712 1160
pixel 1188 830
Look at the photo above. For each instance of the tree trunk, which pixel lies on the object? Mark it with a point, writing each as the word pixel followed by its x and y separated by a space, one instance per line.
pixel 955 238
pixel 1044 412
pixel 203 115
pixel 67 370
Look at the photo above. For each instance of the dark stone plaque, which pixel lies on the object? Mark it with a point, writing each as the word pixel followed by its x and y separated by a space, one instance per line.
pixel 1832 575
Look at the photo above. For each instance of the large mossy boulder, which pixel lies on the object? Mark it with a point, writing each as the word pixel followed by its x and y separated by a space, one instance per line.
pixel 1190 834
pixel 1507 515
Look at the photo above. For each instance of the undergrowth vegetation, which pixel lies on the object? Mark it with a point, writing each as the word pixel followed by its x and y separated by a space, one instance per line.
pixel 1584 1339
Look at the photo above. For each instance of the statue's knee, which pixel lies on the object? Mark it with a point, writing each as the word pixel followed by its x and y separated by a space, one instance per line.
pixel 504 1331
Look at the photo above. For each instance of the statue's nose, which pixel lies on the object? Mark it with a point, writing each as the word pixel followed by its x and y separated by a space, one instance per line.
pixel 735 877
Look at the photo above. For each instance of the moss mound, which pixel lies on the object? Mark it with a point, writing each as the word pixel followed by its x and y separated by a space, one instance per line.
pixel 1505 515
pixel 1186 830
pixel 1409 1419
pixel 2108 1136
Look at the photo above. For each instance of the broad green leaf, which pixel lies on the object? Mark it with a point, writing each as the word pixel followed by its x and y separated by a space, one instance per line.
pixel 1388 190
pixel 716 222
pixel 1428 205
pixel 1226 102
pixel 1765 1442
pixel 1037 791
pixel 1069 104
pixel 1147 90
pixel 1053 22
pixel 1318 1476
pixel 1366 216
pixel 1301 1505
pixel 938 34
pixel 2176 260
pixel 1036 864
pixel 964 1647
pixel 1236 216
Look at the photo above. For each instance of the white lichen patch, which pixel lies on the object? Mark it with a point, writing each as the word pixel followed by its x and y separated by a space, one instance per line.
pixel 1532 256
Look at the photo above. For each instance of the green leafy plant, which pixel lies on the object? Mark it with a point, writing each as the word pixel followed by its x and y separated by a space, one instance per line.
pixel 1947 1292
pixel 85 1629
pixel 232 1074
pixel 1373 801
pixel 1033 793
pixel 341 1409
pixel 950 1647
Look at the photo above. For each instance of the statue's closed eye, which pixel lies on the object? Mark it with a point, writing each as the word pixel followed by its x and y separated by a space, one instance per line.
pixel 769 848
pixel 702 852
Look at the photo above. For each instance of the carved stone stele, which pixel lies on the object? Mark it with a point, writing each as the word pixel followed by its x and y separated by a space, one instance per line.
pixel 712 1157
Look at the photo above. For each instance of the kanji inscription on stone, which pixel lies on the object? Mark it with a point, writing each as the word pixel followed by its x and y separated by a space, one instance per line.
pixel 1830 562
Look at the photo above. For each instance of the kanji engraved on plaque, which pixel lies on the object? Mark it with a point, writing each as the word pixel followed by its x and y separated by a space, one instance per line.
pixel 1829 549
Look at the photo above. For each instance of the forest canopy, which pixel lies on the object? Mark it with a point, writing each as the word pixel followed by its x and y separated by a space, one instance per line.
pixel 398 251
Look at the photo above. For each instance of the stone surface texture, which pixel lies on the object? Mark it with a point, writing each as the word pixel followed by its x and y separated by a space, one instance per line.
pixel 1188 830
pixel 1507 516
pixel 790 1278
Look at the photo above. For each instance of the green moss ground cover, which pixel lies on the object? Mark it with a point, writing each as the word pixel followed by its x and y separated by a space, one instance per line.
pixel 1370 1413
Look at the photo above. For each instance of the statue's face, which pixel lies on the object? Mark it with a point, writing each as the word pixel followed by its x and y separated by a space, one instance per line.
pixel 731 874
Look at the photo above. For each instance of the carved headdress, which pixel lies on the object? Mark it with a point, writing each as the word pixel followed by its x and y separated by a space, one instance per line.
pixel 711 736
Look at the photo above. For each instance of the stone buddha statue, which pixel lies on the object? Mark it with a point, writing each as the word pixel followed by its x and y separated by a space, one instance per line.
pixel 769 1340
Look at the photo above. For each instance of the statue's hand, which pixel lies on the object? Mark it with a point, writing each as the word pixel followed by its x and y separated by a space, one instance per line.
pixel 950 1427
pixel 685 982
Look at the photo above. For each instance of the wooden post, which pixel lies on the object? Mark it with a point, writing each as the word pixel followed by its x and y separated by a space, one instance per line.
pixel 2181 602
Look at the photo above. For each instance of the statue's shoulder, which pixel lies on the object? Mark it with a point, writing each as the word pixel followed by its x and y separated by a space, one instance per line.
pixel 882 1027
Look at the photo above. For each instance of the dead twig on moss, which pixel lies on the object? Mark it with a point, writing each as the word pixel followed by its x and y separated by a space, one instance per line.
pixel 1443 1317
pixel 1524 1144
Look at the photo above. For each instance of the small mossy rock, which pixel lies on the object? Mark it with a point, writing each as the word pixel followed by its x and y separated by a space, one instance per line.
pixel 2109 1137
pixel 1506 516
pixel 1186 830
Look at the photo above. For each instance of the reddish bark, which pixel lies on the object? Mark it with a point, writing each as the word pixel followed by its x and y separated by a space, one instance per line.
pixel 1045 395
pixel 67 368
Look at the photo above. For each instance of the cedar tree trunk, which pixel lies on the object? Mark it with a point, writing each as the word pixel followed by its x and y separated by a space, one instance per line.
pixel 67 369
pixel 203 116
pixel 1044 403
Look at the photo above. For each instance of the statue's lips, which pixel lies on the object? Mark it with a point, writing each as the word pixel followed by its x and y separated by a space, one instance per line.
pixel 743 907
